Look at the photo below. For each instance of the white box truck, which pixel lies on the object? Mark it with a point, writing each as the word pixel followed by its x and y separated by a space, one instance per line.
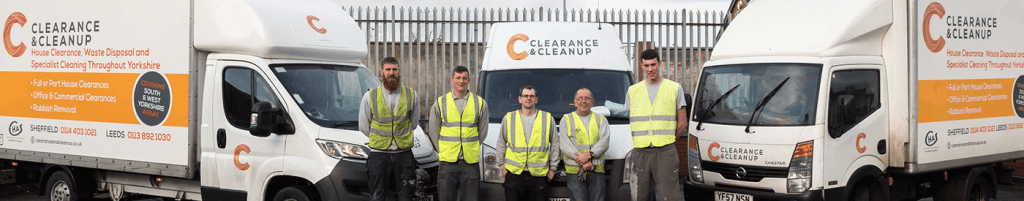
pixel 557 58
pixel 860 100
pixel 195 100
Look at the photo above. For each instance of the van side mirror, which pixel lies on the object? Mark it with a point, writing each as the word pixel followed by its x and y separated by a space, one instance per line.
pixel 266 119
pixel 836 110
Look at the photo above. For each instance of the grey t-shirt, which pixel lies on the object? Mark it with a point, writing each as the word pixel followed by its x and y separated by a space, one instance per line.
pixel 554 156
pixel 391 99
pixel 568 149
pixel 434 121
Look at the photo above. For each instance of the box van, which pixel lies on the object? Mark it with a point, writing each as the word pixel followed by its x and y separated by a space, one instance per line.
pixel 860 100
pixel 557 58
pixel 195 100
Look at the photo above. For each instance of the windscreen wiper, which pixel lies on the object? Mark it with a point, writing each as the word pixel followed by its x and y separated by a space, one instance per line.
pixel 346 124
pixel 719 100
pixel 764 101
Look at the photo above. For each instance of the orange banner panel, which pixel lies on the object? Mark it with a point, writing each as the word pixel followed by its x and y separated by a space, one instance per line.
pixel 949 100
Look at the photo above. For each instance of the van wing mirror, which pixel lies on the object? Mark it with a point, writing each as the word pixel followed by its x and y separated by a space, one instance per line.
pixel 266 119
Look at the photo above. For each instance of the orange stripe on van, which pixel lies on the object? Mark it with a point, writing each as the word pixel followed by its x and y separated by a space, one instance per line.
pixel 950 100
pixel 22 91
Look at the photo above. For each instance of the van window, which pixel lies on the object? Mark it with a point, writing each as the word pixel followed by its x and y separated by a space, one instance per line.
pixel 556 90
pixel 793 104
pixel 329 95
pixel 238 95
pixel 853 96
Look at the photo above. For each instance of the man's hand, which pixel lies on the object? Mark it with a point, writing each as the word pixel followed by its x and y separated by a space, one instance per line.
pixel 582 158
pixel 551 175
pixel 503 171
pixel 588 166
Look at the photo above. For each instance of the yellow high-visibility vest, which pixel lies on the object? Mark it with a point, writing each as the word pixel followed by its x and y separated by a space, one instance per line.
pixel 458 131
pixel 585 138
pixel 385 125
pixel 533 153
pixel 653 125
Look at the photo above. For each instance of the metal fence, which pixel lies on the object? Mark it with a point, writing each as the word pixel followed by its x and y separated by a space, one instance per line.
pixel 429 42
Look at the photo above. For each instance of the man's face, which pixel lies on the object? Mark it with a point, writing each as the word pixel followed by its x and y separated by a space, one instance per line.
pixel 528 98
pixel 584 101
pixel 460 81
pixel 650 68
pixel 390 75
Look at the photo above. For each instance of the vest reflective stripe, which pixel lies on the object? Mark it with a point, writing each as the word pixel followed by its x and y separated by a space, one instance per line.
pixel 583 138
pixel 458 131
pixel 653 125
pixel 522 149
pixel 386 126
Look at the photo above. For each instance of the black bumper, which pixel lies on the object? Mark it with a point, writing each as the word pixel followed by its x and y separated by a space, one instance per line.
pixel 695 192
pixel 348 181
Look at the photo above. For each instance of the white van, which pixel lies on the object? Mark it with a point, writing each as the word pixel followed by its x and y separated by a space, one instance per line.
pixel 194 100
pixel 557 58
pixel 860 100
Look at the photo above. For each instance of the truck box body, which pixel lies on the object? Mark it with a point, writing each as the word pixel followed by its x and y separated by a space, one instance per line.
pixel 872 89
pixel 101 86
pixel 157 98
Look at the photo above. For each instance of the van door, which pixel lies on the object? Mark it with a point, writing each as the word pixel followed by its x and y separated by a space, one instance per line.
pixel 857 125
pixel 243 160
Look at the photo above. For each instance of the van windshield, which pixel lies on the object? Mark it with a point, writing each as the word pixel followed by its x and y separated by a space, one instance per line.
pixel 328 94
pixel 793 104
pixel 556 90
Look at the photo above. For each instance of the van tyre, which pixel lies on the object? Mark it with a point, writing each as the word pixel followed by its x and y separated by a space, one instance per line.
pixel 60 187
pixel 956 189
pixel 867 190
pixel 295 193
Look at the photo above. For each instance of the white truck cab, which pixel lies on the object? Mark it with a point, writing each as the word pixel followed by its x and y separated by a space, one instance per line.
pixel 193 100
pixel 556 58
pixel 858 100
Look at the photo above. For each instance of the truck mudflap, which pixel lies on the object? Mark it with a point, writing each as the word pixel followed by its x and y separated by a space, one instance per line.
pixel 694 192
pixel 349 181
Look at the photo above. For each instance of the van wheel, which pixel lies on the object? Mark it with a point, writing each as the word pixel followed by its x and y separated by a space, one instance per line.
pixel 980 190
pixel 866 190
pixel 295 193
pixel 60 188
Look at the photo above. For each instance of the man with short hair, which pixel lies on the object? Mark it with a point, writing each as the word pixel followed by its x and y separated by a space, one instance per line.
pixel 527 150
pixel 388 116
pixel 656 118
pixel 584 138
pixel 458 122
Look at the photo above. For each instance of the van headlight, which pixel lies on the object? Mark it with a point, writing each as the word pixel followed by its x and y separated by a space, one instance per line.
pixel 489 163
pixel 799 179
pixel 343 150
pixel 693 160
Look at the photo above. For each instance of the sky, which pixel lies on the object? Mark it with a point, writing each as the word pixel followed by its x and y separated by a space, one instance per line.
pixel 718 5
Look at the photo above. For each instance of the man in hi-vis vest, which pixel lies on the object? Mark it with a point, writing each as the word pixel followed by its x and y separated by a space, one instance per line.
pixel 458 122
pixel 529 154
pixel 656 118
pixel 388 115
pixel 584 139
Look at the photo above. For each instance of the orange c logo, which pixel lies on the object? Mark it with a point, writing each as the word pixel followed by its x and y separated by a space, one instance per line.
pixel 511 42
pixel 933 9
pixel 860 148
pixel 238 150
pixel 310 20
pixel 14 50
pixel 712 147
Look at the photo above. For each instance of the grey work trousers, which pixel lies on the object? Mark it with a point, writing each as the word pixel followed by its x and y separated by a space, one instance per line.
pixel 658 166
pixel 458 178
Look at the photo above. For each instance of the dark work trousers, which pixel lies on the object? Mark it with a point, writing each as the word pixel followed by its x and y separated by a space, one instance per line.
pixel 458 179
pixel 391 174
pixel 525 187
pixel 658 166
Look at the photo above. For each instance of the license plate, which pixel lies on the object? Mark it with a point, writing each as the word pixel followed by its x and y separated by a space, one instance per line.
pixel 424 198
pixel 558 199
pixel 726 196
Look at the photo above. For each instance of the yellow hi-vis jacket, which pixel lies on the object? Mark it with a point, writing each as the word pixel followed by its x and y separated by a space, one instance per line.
pixel 385 125
pixel 534 154
pixel 585 139
pixel 459 131
pixel 653 125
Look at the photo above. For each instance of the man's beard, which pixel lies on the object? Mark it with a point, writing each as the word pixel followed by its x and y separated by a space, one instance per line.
pixel 393 82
